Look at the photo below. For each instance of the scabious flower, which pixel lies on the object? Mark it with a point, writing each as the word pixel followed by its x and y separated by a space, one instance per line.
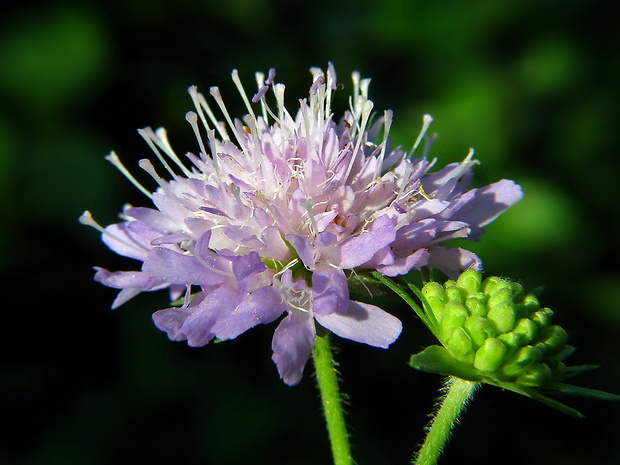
pixel 278 210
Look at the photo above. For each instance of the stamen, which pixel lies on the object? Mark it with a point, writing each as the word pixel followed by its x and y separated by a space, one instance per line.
pixel 288 266
pixel 113 158
pixel 355 77
pixel 192 118
pixel 364 85
pixel 260 94
pixel 308 205
pixel 188 296
pixel 149 136
pixel 271 76
pixel 278 90
pixel 331 86
pixel 263 87
pixel 314 88
pixel 237 81
pixel 426 122
pixel 366 109
pixel 147 166
pixel 387 124
pixel 200 102
pixel 428 144
pixel 164 144
pixel 215 93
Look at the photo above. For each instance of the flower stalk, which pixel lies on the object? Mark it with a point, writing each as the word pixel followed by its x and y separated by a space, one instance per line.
pixel 457 393
pixel 327 381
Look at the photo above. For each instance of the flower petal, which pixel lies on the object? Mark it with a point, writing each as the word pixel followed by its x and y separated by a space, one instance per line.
pixel 363 323
pixel 330 292
pixel 360 249
pixel 488 203
pixel 453 261
pixel 403 265
pixel 196 323
pixel 171 321
pixel 292 346
pixel 259 307
pixel 173 267
pixel 246 265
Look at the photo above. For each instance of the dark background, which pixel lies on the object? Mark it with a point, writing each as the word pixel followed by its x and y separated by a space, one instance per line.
pixel 533 86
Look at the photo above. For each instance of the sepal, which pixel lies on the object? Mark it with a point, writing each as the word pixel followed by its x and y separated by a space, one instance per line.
pixel 437 359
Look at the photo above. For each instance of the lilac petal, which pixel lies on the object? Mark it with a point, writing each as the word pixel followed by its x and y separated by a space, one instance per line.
pixel 246 265
pixel 261 306
pixel 176 268
pixel 124 296
pixel 125 279
pixel 360 249
pixel 427 208
pixel 292 346
pixel 151 217
pixel 435 181
pixel 129 243
pixel 171 321
pixel 330 292
pixel 403 265
pixel 174 238
pixel 303 249
pixel 489 202
pixel 197 325
pixel 453 260
pixel 363 323
pixel 415 235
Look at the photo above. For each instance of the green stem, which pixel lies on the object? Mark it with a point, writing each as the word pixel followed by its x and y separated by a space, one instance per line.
pixel 327 381
pixel 402 294
pixel 458 393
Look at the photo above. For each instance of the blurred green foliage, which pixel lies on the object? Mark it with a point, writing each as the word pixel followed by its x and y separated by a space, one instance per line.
pixel 532 86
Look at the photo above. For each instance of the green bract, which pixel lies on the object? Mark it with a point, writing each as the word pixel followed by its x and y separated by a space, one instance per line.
pixel 492 331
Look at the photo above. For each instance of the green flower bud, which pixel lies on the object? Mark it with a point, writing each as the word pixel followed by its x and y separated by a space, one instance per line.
pixel 435 296
pixel 498 329
pixel 511 340
pixel 493 332
pixel 526 329
pixel 543 317
pixel 454 316
pixel 479 329
pixel 530 302
pixel 503 315
pixel 502 295
pixel 461 346
pixel 490 356
pixel 492 284
pixel 521 360
pixel 470 281
pixel 539 375
pixel 477 304
pixel 455 293
pixel 555 338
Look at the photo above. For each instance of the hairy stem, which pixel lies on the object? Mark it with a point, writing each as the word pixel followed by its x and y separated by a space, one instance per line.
pixel 457 393
pixel 327 381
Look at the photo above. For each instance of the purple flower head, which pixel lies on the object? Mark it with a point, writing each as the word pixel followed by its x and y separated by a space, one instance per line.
pixel 278 210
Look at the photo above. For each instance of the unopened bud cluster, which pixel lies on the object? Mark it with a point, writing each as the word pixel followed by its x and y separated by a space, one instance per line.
pixel 497 328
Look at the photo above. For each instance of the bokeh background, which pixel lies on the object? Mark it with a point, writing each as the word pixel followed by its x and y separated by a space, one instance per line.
pixel 532 85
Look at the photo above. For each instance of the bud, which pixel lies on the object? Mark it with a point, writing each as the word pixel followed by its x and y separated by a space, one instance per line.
pixel 498 329
pixel 492 331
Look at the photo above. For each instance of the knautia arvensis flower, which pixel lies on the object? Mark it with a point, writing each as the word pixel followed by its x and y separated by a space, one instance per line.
pixel 278 210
